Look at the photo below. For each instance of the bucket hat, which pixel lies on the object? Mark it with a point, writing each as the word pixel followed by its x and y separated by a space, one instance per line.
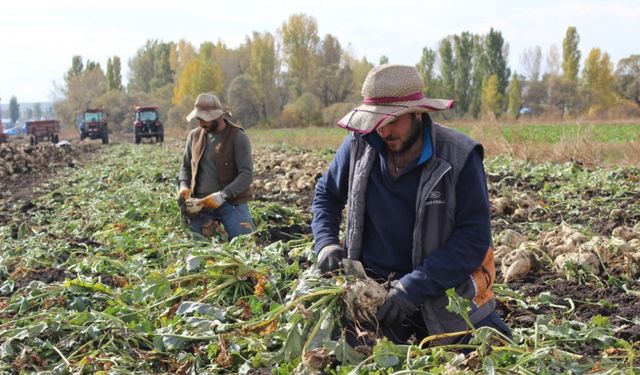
pixel 390 91
pixel 207 107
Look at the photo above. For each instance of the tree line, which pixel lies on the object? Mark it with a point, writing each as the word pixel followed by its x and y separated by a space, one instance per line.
pixel 295 77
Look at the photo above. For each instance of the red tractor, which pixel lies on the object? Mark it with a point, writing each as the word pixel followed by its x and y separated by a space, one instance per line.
pixel 92 124
pixel 146 124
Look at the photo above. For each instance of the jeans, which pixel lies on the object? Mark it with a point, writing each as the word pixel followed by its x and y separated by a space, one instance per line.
pixel 235 219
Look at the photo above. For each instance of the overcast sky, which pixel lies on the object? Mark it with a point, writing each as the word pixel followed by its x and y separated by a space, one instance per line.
pixel 39 37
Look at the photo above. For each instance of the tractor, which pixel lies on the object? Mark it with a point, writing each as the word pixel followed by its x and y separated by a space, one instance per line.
pixel 147 124
pixel 92 124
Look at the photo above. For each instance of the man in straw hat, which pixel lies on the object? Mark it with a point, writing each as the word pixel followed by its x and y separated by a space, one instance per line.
pixel 417 209
pixel 216 170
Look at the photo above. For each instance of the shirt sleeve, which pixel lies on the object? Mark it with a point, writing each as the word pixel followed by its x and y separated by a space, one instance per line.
pixel 244 163
pixel 330 199
pixel 184 176
pixel 467 246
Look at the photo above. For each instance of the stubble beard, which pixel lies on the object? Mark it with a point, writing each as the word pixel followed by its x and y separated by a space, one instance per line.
pixel 416 133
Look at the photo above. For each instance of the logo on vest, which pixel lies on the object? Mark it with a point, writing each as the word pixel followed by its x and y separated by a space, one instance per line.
pixel 434 198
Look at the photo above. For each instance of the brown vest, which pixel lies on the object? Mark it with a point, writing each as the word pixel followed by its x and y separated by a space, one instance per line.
pixel 225 157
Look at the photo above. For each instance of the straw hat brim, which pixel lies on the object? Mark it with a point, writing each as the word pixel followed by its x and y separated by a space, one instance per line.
pixel 368 117
pixel 209 115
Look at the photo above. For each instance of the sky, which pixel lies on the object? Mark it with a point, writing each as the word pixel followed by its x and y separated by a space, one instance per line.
pixel 38 38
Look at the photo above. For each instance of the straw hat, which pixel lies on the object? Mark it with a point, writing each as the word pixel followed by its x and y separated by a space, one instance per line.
pixel 207 107
pixel 390 91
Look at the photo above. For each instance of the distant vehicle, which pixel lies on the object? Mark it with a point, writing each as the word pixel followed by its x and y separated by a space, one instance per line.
pixel 146 124
pixel 43 130
pixel 16 130
pixel 526 111
pixel 92 124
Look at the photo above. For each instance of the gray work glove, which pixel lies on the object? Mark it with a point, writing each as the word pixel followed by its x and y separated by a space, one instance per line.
pixel 329 258
pixel 396 307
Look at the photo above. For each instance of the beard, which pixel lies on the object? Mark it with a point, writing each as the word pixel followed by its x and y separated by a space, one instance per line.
pixel 210 127
pixel 412 138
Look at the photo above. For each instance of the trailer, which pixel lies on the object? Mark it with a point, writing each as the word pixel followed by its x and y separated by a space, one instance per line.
pixel 3 137
pixel 43 130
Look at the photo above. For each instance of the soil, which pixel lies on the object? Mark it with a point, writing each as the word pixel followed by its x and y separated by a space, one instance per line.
pixel 588 301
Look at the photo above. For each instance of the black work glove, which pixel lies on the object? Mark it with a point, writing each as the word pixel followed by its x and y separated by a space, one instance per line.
pixel 329 258
pixel 396 307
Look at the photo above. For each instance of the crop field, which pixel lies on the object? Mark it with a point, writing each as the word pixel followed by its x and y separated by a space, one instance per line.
pixel 98 274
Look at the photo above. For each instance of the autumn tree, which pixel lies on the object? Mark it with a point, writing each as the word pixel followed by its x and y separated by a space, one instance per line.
pixel 79 92
pixel 598 79
pixel 515 96
pixel 263 69
pixel 627 77
pixel 531 62
pixel 299 45
pixel 492 98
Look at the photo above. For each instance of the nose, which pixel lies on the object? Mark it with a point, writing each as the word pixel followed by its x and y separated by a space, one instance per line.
pixel 383 131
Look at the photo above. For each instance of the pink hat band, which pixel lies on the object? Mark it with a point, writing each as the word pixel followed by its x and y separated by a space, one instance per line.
pixel 394 99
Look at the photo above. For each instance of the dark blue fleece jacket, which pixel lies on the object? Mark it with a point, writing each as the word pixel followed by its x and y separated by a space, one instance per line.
pixel 390 216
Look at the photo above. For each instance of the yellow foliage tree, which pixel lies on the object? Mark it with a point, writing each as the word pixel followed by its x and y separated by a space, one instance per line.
pixel 599 80
pixel 491 96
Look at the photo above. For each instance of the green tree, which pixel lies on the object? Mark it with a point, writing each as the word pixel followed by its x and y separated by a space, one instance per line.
pixel 515 96
pixel 110 79
pixel 571 54
pixel 150 68
pixel 447 67
pixel 76 67
pixel 496 53
pixel 28 114
pixel 332 79
pixel 299 45
pixel 243 99
pixel 479 70
pixel 628 78
pixel 426 69
pixel 117 73
pixel 383 60
pixel 14 109
pixel 463 46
